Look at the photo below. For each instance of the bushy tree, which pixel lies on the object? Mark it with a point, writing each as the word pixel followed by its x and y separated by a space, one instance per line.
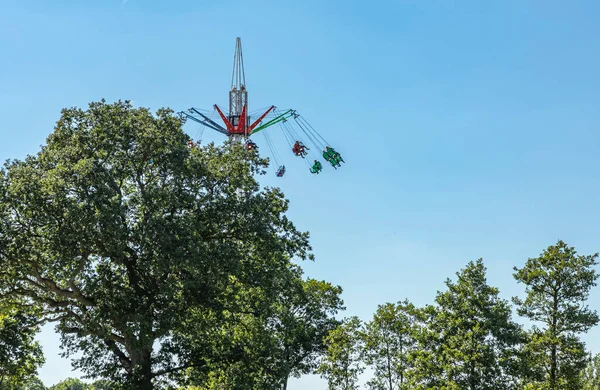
pixel 590 377
pixel 389 339
pixel 33 383
pixel 138 247
pixel 342 363
pixel 286 339
pixel 71 384
pixel 468 339
pixel 558 283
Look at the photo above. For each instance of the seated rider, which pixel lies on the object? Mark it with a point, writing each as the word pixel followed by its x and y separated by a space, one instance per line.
pixel 296 149
pixel 327 155
pixel 317 167
pixel 333 157
pixel 299 149
pixel 251 145
pixel 281 171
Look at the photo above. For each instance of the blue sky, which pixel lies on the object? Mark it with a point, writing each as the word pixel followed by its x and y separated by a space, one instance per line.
pixel 469 128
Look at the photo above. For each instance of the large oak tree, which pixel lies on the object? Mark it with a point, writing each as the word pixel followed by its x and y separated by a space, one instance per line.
pixel 138 247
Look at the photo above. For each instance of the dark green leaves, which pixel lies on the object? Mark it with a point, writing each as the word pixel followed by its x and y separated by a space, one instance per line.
pixel 20 354
pixel 558 283
pixel 469 340
pixel 342 363
pixel 590 377
pixel 389 340
pixel 138 246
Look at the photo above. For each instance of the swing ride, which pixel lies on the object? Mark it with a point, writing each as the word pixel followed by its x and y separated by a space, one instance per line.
pixel 237 125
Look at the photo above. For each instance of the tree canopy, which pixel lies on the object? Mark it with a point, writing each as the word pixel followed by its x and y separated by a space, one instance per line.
pixel 468 339
pixel 558 283
pixel 342 364
pixel 285 339
pixel 389 339
pixel 590 377
pixel 138 247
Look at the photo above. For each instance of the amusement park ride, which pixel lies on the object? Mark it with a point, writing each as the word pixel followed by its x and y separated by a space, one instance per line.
pixel 237 124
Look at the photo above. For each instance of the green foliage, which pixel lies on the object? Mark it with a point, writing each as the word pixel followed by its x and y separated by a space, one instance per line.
pixel 163 265
pixel 71 384
pixel 20 354
pixel 33 383
pixel 103 384
pixel 342 364
pixel 77 384
pixel 284 339
pixel 468 340
pixel 300 324
pixel 557 285
pixel 590 377
pixel 142 250
pixel 389 340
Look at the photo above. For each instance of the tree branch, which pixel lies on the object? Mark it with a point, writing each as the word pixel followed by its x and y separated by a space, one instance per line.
pixel 175 369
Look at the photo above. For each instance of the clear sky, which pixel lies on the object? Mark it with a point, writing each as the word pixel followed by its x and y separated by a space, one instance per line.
pixel 470 128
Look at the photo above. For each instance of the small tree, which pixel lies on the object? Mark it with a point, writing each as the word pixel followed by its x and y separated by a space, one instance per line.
pixel 469 340
pixel 341 364
pixel 71 384
pixel 558 283
pixel 590 376
pixel 33 383
pixel 388 342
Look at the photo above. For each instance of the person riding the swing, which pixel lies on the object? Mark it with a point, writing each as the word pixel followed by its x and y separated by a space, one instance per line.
pixel 250 145
pixel 333 157
pixel 300 149
pixel 316 168
pixel 281 171
pixel 329 157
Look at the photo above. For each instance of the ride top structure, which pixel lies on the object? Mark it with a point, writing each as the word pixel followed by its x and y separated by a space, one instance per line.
pixel 238 126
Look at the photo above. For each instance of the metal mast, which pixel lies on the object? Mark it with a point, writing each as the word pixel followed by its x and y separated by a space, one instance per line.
pixel 237 121
pixel 238 95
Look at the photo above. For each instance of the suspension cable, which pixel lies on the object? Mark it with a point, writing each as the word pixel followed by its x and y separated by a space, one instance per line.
pixel 288 133
pixel 272 149
pixel 312 129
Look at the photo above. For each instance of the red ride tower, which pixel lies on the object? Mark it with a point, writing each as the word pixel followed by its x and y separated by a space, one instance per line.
pixel 238 121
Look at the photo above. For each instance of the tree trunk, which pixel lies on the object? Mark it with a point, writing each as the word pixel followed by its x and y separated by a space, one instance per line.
pixel 553 357
pixel 401 385
pixel 142 370
pixel 286 359
pixel 347 373
pixel 389 366
pixel 553 367
pixel 145 383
